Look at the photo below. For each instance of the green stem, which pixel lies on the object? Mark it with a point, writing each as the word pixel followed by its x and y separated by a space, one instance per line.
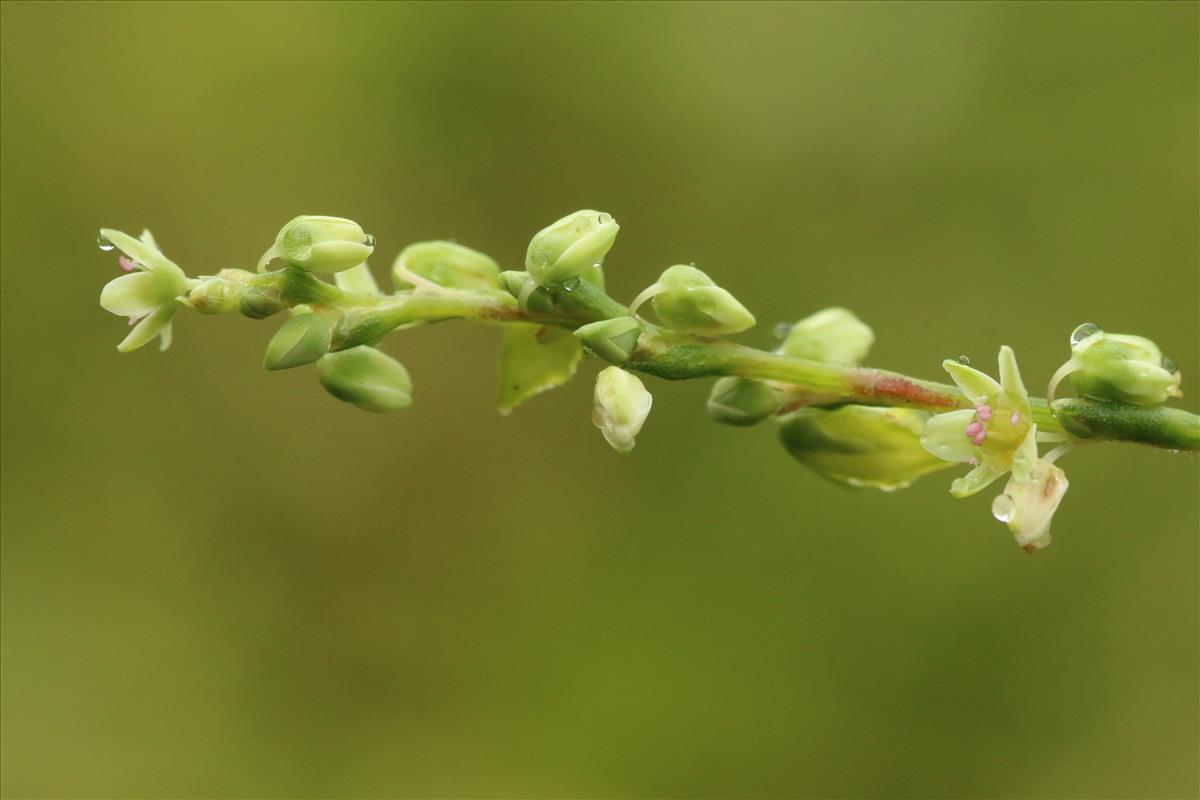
pixel 672 356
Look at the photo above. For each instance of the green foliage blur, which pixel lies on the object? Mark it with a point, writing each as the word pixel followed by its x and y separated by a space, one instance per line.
pixel 219 581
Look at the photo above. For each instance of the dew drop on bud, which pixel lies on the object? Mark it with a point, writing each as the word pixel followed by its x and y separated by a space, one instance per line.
pixel 1169 365
pixel 104 244
pixel 1084 331
pixel 964 360
pixel 782 330
pixel 369 240
pixel 1002 507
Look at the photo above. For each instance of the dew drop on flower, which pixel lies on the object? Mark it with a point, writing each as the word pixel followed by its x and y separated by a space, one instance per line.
pixel 104 244
pixel 1002 508
pixel 964 360
pixel 1084 331
pixel 369 240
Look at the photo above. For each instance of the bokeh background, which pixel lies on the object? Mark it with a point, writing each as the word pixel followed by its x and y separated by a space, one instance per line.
pixel 222 582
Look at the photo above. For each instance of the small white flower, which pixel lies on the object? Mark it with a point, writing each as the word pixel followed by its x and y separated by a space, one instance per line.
pixel 149 294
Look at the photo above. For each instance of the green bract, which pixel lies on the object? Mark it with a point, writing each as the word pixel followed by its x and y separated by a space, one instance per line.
pixel 358 280
pixel 741 401
pixel 686 300
pixel 320 244
pixel 366 378
pixel 1116 366
pixel 149 294
pixel 570 247
pixel 614 339
pixel 621 405
pixel 834 336
pixel 861 446
pixel 444 264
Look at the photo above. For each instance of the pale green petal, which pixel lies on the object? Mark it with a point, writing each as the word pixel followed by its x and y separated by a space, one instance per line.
pixel 945 436
pixel 974 384
pixel 1010 378
pixel 147 255
pixel 975 480
pixel 147 329
pixel 133 295
pixel 165 337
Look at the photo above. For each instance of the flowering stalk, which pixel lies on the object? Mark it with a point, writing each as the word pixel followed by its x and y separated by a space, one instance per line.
pixel 830 410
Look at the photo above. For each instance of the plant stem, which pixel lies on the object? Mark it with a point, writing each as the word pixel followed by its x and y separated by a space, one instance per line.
pixel 365 319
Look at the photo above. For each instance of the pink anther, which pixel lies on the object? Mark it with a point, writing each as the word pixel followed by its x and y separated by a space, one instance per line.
pixel 126 264
pixel 1015 418
pixel 973 429
pixel 984 411
pixel 978 438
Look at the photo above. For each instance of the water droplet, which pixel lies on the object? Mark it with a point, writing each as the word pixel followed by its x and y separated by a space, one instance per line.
pixel 1002 508
pixel 369 240
pixel 1169 365
pixel 104 244
pixel 964 360
pixel 1084 331
pixel 782 329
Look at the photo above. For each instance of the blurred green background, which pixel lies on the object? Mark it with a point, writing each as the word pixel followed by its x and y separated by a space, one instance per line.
pixel 222 582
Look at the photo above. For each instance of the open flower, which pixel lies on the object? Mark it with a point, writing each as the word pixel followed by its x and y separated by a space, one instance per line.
pixel 149 294
pixel 989 435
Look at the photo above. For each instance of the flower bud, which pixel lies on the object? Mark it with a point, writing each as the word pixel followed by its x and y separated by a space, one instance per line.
pixel 614 340
pixel 519 284
pixel 444 264
pixel 366 378
pixel 687 300
pixel 621 407
pixel 219 294
pixel 302 340
pixel 321 244
pixel 834 336
pixel 862 446
pixel 571 246
pixel 257 304
pixel 1114 366
pixel 740 401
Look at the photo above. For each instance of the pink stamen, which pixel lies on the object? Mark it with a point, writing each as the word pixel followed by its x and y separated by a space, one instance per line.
pixel 979 437
pixel 973 429
pixel 126 264
pixel 984 411
pixel 1015 418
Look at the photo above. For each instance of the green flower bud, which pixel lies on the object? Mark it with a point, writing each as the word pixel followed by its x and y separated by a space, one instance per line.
pixel 520 285
pixel 861 446
pixel 740 401
pixel 366 378
pixel 257 304
pixel 834 336
pixel 218 295
pixel 612 339
pixel 320 244
pixel 302 340
pixel 687 300
pixel 1114 366
pixel 444 264
pixel 571 246
pixel 621 407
